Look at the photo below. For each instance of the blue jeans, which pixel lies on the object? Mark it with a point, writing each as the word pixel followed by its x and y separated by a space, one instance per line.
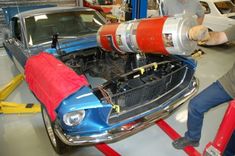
pixel 210 97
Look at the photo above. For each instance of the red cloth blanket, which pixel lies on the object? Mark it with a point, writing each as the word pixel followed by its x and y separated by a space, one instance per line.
pixel 51 80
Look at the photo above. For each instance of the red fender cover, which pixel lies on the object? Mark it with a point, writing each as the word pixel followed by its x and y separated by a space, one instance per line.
pixel 51 80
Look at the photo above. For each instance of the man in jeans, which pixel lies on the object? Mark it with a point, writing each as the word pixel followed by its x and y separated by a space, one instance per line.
pixel 223 90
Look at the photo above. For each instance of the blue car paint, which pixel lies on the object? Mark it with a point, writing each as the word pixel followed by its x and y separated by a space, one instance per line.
pixel 93 122
pixel 84 99
pixel 188 60
pixel 70 46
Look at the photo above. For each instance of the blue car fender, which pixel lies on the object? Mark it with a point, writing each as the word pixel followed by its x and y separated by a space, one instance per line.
pixel 96 113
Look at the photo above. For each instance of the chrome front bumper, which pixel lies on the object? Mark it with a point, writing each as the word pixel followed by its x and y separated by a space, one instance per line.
pixel 122 132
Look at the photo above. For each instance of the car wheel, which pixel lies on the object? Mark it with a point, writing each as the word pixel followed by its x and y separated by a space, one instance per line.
pixel 57 144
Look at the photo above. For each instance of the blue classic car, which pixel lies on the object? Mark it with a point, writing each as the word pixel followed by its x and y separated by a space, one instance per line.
pixel 114 101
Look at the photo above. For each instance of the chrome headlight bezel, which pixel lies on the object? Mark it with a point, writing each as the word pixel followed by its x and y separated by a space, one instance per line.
pixel 74 118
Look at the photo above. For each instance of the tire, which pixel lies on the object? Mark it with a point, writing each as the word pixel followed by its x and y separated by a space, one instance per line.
pixel 56 143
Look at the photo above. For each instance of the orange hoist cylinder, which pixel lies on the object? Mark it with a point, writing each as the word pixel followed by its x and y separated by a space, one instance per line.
pixel 164 35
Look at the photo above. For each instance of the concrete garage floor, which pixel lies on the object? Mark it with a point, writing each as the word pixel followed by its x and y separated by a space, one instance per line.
pixel 25 135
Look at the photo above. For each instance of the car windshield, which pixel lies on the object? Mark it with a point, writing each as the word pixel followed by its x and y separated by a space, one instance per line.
pixel 225 7
pixel 41 28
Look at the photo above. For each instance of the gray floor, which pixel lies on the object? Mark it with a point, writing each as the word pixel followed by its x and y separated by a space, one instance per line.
pixel 24 135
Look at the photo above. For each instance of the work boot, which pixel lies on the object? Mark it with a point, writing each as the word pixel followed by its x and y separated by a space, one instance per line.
pixel 183 142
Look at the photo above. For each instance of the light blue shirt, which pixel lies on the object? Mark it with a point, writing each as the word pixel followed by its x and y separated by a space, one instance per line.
pixel 190 7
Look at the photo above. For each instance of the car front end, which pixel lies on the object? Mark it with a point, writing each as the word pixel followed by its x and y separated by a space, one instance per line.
pixel 98 120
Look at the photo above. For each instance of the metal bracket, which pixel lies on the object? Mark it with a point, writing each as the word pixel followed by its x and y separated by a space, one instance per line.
pixel 197 54
pixel 212 151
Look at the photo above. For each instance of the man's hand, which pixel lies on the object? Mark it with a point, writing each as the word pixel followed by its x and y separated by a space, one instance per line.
pixel 199 33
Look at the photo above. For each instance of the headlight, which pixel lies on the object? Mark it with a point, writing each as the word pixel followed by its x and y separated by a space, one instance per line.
pixel 74 118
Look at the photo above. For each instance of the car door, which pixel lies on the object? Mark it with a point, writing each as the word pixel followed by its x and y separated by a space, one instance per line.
pixel 15 45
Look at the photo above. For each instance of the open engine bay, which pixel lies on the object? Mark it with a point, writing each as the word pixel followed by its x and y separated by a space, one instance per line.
pixel 133 82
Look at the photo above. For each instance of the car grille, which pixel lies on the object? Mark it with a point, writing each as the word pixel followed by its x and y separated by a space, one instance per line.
pixel 150 95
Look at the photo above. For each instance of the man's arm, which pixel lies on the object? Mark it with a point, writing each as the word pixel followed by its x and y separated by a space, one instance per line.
pixel 200 13
pixel 200 20
pixel 201 34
